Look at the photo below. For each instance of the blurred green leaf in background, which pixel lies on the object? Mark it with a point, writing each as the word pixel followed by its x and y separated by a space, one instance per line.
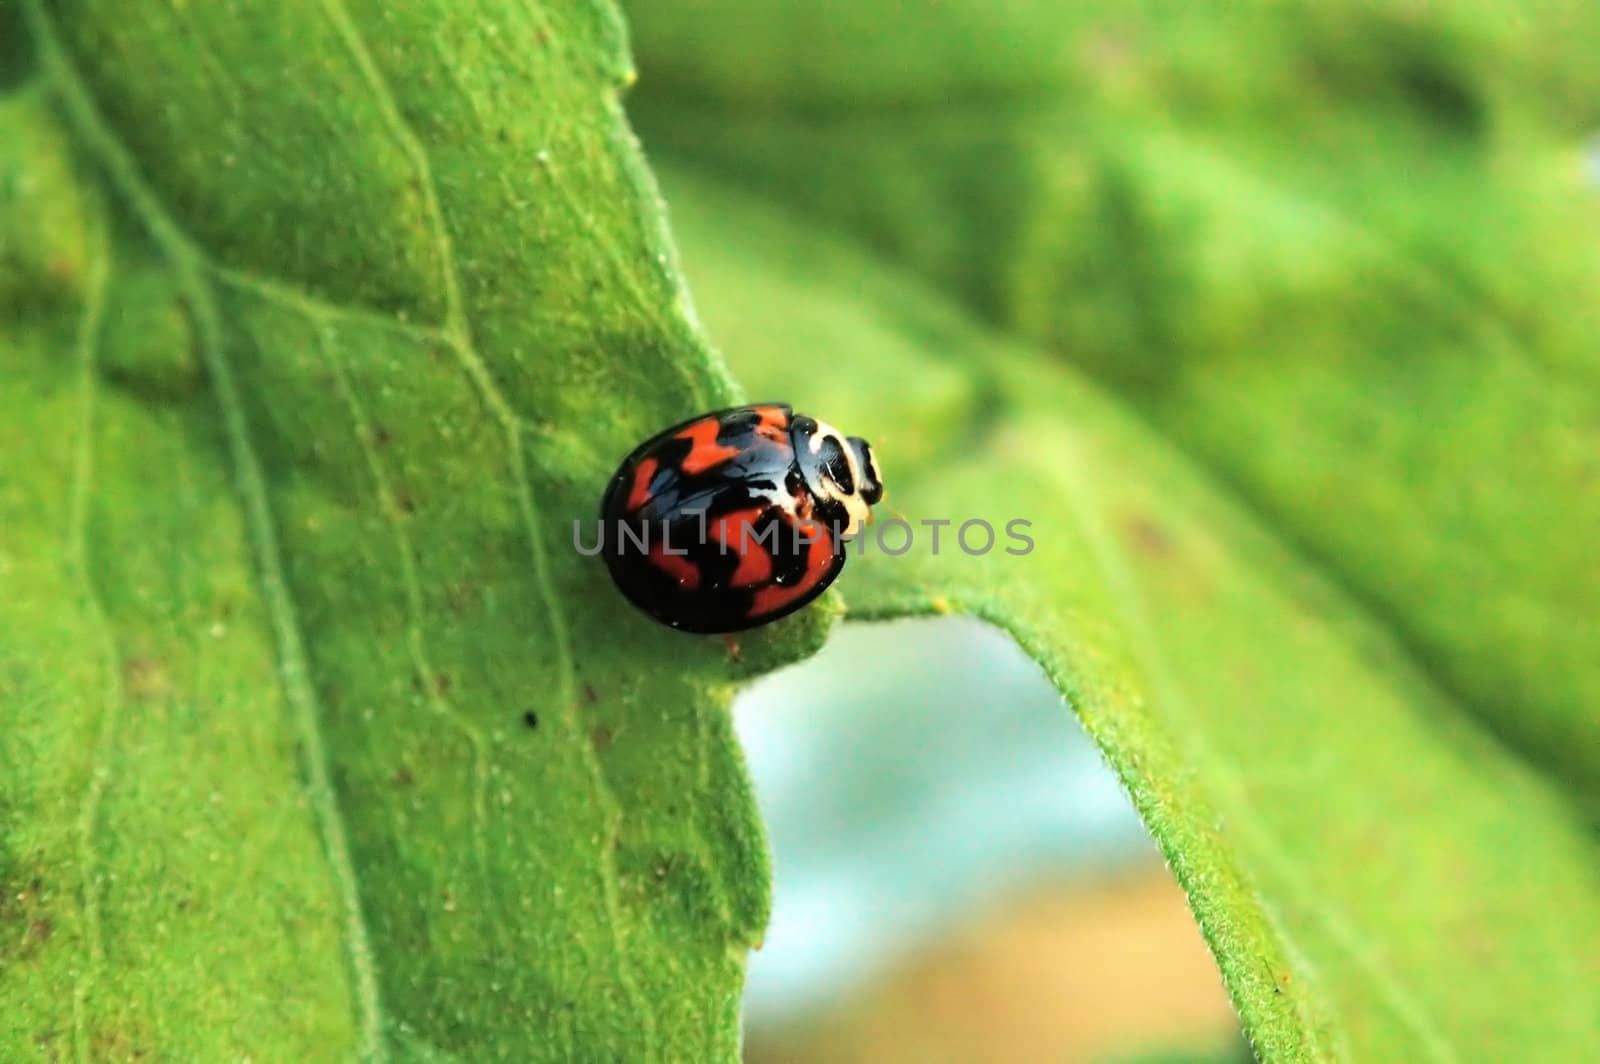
pixel 323 320
pixel 1343 254
pixel 1345 258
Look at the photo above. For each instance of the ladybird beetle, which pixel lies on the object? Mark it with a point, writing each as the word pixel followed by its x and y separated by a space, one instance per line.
pixel 737 517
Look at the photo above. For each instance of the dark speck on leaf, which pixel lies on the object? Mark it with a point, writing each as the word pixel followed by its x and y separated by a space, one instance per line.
pixel 381 437
pixel 144 678
pixel 589 697
pixel 1150 538
pixel 531 719
pixel 404 778
pixel 459 596
pixel 600 736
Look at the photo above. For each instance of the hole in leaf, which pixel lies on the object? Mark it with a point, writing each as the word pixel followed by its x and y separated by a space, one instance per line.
pixel 945 833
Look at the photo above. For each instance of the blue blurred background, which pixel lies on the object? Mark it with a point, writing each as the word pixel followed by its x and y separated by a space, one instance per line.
pixel 942 826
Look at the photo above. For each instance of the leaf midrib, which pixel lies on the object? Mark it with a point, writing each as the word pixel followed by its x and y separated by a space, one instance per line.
pixel 187 263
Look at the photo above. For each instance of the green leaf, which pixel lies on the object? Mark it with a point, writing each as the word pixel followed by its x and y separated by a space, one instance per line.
pixel 1379 879
pixel 323 322
pixel 1344 256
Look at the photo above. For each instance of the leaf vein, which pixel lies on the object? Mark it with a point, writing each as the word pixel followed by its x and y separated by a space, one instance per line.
pixel 415 637
pixel 111 709
pixel 459 327
pixel 382 95
pixel 314 307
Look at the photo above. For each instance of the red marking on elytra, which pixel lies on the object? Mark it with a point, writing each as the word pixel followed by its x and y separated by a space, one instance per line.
pixel 772 598
pixel 733 529
pixel 706 451
pixel 774 424
pixel 641 483
pixel 680 568
pixel 755 566
pixel 737 530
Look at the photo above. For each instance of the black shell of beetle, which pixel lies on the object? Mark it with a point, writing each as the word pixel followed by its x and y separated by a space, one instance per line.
pixel 734 518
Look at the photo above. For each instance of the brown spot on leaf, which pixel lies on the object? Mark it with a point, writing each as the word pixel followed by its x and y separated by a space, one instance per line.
pixel 116 1043
pixel 459 597
pixel 145 678
pixel 1148 537
pixel 64 270
pixel 601 736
